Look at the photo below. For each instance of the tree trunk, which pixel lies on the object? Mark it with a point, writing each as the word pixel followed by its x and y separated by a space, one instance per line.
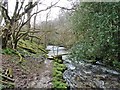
pixel 15 44
pixel 4 43
pixel 5 37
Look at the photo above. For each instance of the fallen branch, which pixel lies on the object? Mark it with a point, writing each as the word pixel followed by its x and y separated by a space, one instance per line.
pixel 7 77
pixel 19 56
pixel 43 50
pixel 4 82
pixel 28 49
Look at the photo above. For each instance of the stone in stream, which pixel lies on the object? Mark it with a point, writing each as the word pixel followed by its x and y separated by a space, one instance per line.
pixel 91 76
pixel 86 75
pixel 70 66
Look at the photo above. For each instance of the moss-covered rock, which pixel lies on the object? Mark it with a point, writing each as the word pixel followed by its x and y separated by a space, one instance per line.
pixel 58 69
pixel 27 47
pixel 59 84
pixel 55 71
pixel 58 60
pixel 31 50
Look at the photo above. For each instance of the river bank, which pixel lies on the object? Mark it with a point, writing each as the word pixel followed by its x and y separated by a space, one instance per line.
pixel 40 72
pixel 34 74
pixel 28 67
pixel 82 74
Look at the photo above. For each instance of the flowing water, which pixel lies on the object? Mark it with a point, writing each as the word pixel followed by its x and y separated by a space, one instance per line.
pixel 55 50
pixel 85 75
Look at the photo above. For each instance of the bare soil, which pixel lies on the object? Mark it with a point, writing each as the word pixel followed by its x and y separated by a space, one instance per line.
pixel 31 73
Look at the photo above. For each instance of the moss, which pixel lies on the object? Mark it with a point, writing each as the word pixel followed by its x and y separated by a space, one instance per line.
pixel 58 60
pixel 58 70
pixel 8 51
pixel 31 48
pixel 116 65
pixel 31 44
pixel 58 57
pixel 59 84
pixel 57 79
pixel 23 52
pixel 56 64
pixel 41 48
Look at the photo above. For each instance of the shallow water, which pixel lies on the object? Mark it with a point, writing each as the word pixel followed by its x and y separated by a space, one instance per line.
pixel 55 50
pixel 85 75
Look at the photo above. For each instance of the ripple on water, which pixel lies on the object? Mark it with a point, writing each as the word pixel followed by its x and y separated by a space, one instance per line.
pixel 95 75
pixel 82 75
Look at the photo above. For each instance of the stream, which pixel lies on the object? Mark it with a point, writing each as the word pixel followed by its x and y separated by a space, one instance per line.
pixel 85 75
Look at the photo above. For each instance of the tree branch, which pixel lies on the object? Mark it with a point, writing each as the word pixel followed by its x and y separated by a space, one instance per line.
pixel 6 13
pixel 27 9
pixel 33 15
pixel 9 83
pixel 7 77
pixel 20 7
pixel 16 8
pixel 65 8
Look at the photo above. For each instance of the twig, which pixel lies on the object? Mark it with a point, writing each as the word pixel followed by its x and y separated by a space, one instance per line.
pixel 7 77
pixel 4 82
pixel 19 56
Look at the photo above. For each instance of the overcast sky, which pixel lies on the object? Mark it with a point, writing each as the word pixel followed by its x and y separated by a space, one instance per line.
pixel 45 3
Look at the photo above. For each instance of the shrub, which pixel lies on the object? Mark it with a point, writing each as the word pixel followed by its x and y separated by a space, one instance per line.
pixel 96 26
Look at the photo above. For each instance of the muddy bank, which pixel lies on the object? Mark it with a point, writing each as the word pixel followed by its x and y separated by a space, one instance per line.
pixel 32 73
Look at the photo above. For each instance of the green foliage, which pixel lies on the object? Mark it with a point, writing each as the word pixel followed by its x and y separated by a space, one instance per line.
pixel 96 26
pixel 27 48
pixel 8 51
pixel 57 73
pixel 59 66
pixel 116 64
pixel 7 86
pixel 58 69
pixel 58 60
pixel 59 84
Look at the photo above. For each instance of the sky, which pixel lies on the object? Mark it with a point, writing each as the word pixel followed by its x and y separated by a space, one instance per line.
pixel 45 3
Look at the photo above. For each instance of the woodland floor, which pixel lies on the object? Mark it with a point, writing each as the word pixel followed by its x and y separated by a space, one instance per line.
pixel 31 73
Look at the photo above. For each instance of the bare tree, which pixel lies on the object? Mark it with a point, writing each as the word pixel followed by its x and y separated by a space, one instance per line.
pixel 34 25
pixel 29 14
pixel 14 24
pixel 0 13
pixel 5 33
